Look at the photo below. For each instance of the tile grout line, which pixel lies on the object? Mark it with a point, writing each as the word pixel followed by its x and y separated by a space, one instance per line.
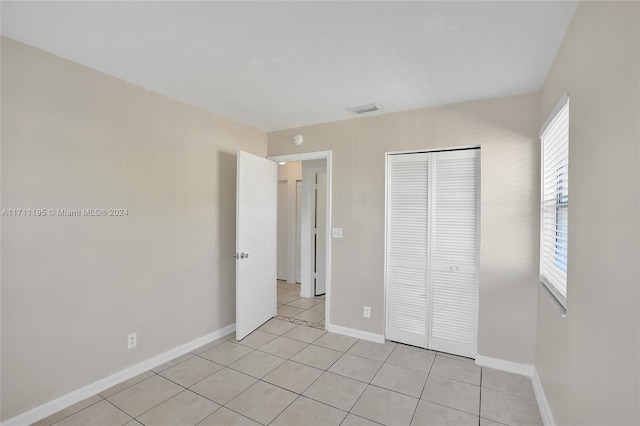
pixel 360 417
pixel 120 409
pixel 425 385
pixel 368 384
pixel 268 383
pixel 75 412
pixel 480 397
pixel 154 373
pixel 299 395
pixel 240 414
pixel 162 402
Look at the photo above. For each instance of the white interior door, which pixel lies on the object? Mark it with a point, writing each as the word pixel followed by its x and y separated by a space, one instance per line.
pixel 256 236
pixel 407 248
pixel 455 252
pixel 432 250
pixel 321 233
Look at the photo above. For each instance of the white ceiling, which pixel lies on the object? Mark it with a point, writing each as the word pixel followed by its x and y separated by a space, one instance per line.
pixel 276 65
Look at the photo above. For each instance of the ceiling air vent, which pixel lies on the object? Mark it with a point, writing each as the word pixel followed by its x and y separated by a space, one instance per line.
pixel 364 109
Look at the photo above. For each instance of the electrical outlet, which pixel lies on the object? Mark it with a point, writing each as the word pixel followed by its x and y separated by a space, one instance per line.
pixel 367 312
pixel 131 341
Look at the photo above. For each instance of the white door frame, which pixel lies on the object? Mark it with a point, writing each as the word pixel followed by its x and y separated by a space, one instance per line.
pixel 283 257
pixel 298 232
pixel 320 252
pixel 319 155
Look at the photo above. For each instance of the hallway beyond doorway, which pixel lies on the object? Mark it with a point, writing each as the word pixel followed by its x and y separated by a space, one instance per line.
pixel 308 311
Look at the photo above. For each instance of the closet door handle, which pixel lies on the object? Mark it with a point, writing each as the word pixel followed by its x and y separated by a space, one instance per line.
pixel 454 268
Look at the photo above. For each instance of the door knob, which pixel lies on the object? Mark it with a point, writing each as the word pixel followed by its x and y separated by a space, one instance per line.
pixel 455 268
pixel 244 255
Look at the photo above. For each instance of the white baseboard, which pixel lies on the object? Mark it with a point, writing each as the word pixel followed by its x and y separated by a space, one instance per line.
pixel 364 335
pixel 543 402
pixel 51 407
pixel 503 365
pixel 525 370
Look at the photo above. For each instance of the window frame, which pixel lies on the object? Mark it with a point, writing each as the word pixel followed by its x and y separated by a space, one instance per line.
pixel 560 209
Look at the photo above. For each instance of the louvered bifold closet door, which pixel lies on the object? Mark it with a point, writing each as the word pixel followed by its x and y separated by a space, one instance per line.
pixel 454 252
pixel 407 248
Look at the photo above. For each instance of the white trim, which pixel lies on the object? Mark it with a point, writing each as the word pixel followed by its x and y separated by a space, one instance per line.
pixel 561 103
pixel 427 150
pixel 386 231
pixel 504 365
pixel 320 155
pixel 551 288
pixel 352 332
pixel 524 370
pixel 307 229
pixel 317 155
pixel 65 401
pixel 543 402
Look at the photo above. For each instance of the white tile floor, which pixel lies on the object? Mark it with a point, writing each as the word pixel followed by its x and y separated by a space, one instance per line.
pixel 289 374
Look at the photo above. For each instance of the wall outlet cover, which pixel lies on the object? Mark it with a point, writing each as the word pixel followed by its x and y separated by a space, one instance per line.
pixel 132 341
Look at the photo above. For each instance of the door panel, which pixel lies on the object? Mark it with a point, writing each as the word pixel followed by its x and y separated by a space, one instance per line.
pixel 321 233
pixel 256 236
pixel 454 266
pixel 407 248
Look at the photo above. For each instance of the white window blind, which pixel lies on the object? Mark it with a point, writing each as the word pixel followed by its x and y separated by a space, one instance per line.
pixel 554 216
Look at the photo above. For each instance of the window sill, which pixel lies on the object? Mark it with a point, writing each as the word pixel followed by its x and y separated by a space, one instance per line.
pixel 554 299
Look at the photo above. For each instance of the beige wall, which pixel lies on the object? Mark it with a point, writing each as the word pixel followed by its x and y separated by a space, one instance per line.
pixel 588 362
pixel 291 170
pixel 74 287
pixel 506 129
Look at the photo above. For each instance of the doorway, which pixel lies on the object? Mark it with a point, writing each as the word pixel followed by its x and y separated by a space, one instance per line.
pixel 312 241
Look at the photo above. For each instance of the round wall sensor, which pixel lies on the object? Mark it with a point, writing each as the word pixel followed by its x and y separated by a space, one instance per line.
pixel 297 139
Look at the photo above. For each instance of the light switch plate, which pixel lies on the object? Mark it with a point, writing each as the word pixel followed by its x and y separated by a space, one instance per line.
pixel 336 232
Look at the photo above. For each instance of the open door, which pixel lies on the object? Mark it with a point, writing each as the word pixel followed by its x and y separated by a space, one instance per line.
pixel 256 247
